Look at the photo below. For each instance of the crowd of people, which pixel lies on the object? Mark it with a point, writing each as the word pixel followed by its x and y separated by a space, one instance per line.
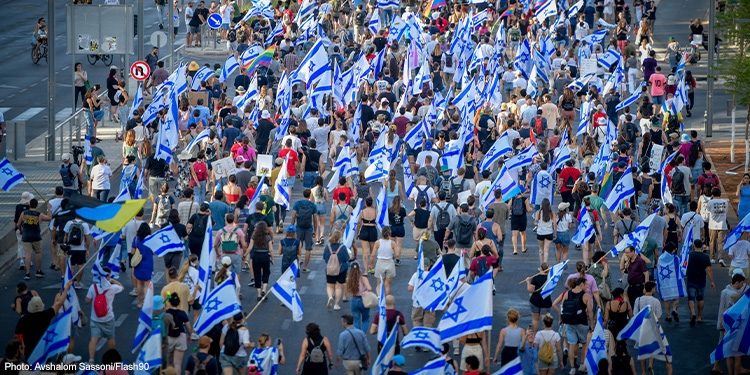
pixel 476 96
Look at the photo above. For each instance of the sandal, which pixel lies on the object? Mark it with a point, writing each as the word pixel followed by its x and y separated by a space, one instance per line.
pixel 524 250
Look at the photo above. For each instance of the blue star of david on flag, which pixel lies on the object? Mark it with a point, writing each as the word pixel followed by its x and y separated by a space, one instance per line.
pixel 665 272
pixel 544 182
pixel 597 344
pixel 164 241
pixel 10 176
pixel 437 285
pixel 212 305
pixel 460 309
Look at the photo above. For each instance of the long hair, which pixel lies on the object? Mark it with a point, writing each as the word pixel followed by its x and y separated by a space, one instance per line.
pixel 313 331
pixel 186 266
pixel 581 268
pixel 392 179
pixel 395 205
pixel 546 210
pixel 260 235
pixel 353 278
pixel 143 231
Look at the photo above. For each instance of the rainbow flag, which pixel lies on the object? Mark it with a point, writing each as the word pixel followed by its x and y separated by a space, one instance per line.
pixel 606 186
pixel 508 12
pixel 264 59
pixel 434 4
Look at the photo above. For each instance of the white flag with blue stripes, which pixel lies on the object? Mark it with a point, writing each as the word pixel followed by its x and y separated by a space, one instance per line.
pixel 432 292
pixel 632 99
pixel 669 281
pixel 595 38
pixel 230 65
pixel 647 333
pixel 203 74
pixel 573 11
pixel 507 185
pixel 206 261
pixel 611 57
pixel 500 148
pixel 378 170
pixel 382 203
pixel 382 333
pixel 285 290
pixel 351 225
pixel 202 136
pixel 433 367
pixel 163 241
pixel 513 367
pixel 137 100
pixel 470 312
pixel 408 176
pixel 277 31
pixel 374 24
pixel 546 9
pixel 54 341
pixel 150 355
pixel 622 191
pixel 384 362
pixel 553 278
pixel 586 227
pixel 597 349
pixel 523 158
pixel 736 341
pixel 427 338
pixel 87 150
pixel 736 233
pixel 9 175
pixel 281 196
pixel 542 187
pixel 144 319
pixel 221 303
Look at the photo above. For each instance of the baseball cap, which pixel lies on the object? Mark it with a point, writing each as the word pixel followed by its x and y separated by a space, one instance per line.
pixel 227 261
pixel 66 157
pixel 399 360
pixel 291 228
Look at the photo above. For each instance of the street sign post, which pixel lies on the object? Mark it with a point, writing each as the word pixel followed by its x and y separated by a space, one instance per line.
pixel 159 39
pixel 214 21
pixel 140 71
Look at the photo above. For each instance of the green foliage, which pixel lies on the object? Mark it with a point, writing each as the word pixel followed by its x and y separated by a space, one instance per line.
pixel 735 67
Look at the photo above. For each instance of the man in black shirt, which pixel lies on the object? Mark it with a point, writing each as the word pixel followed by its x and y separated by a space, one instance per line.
pixel 264 132
pixel 200 15
pixel 133 122
pixel 380 41
pixel 156 170
pixel 389 95
pixel 241 81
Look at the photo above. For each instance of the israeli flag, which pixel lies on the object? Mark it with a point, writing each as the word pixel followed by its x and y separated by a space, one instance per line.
pixel 553 278
pixel 581 82
pixel 277 31
pixel 666 192
pixel 221 303
pixel 382 202
pixel 382 314
pixel 150 355
pixel 203 74
pixel 605 24
pixel 432 292
pixel 351 225
pixel 500 148
pixel 398 28
pixel 453 157
pixel 648 335
pixel 140 186
pixel 507 186
pixel 433 367
pixel 632 99
pixel 307 9
pixel 266 359
pixel 123 196
pixel 206 262
pixel 542 186
pixel 55 340
pixel 87 150
pixel 687 242
pixel 513 367
pixel 428 338
pixel 595 38
pixel 457 275
pixel 202 136
pixel 635 238
pixel 523 158
pixel 562 154
pixel 10 176
pixel 285 290
pixel 378 170
pixel 545 10
pixel 522 61
pixel 137 100
pixel 586 228
pixel 384 362
pixel 178 78
pixel 736 233
pixel 669 280
pixel 144 319
pixel 622 191
pixel 256 195
pixel 573 11
pixel 249 55
pixel 71 300
pixel 470 312
pixel 114 262
pixel 414 137
pixel 597 346
pixel 734 322
pixel 164 241
pixel 282 185
pixel 374 24
pixel 230 65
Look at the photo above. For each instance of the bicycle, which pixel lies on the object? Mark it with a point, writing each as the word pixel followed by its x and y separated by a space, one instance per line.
pixel 41 53
pixel 106 59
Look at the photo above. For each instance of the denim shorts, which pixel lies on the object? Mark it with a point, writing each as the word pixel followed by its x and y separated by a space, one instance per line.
pixel 322 208
pixel 563 238
pixel 194 30
pixel 695 293
pixel 576 333
pixel 658 100
pixel 225 26
pixel 538 310
pixel 233 361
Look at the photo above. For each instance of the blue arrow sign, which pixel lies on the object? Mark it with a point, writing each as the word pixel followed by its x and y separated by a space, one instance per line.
pixel 214 21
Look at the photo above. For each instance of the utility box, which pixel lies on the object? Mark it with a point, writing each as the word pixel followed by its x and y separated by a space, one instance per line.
pixel 14 142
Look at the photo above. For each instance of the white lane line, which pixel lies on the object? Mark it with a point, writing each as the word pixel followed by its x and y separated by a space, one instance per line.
pixel 4 109
pixel 28 114
pixel 286 323
pixel 63 114
pixel 303 290
pixel 118 322
pixel 311 275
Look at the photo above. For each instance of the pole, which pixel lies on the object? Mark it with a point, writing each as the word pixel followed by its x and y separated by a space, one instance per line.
pixel 36 191
pixel 141 18
pixel 51 80
pixel 731 144
pixel 170 35
pixel 256 307
pixel 710 78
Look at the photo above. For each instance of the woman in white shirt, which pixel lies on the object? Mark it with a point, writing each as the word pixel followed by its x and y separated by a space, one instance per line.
pixel 545 233
pixel 563 224
pixel 100 175
pixel 189 276
pixel 385 267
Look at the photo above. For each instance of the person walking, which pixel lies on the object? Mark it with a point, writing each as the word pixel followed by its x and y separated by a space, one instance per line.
pixel 539 306
pixel 102 316
pixel 743 194
pixel 578 317
pixel 260 247
pixel 637 273
pixel 699 265
pixel 385 267
pixel 143 268
pixel 519 206
pixel 235 343
pixel 546 232
pixel 356 284
pixel 717 226
pixel 617 312
pixel 335 282
pixel 315 349
pixel 305 217
pixel 548 335
pixel 511 338
pixel 353 349
pixel 29 225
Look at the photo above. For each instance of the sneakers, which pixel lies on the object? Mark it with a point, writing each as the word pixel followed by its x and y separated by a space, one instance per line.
pixel 336 307
pixel 133 293
pixel 456 351
pixel 572 371
pixel 194 336
pixel 713 261
pixel 398 262
pixel 305 270
pixel 78 285
pixel 330 303
pixel 721 262
pixel 39 273
pixel 27 277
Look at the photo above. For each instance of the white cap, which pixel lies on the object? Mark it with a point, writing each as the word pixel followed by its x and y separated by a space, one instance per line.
pixel 227 261
pixel 265 114
pixel 66 157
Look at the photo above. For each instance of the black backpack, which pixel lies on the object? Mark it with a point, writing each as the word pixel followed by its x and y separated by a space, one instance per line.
pixel 443 218
pixel 630 132
pixel 231 341
pixel 517 208
pixel 360 18
pixel 61 219
pixel 67 175
pixel 75 237
pixel 482 266
pixel 570 182
pixel 455 189
pixel 571 310
pixel 678 182
pixel 465 231
pixel 305 214
pixel 448 60
pixel 199 225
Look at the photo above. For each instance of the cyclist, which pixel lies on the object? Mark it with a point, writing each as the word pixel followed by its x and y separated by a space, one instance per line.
pixel 40 35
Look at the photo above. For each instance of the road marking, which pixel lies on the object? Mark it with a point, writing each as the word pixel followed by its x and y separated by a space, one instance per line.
pixel 63 114
pixel 4 109
pixel 28 114
pixel 303 290
pixel 311 275
pixel 65 68
pixel 23 89
pixel 286 323
pixel 157 277
pixel 9 87
pixel 118 322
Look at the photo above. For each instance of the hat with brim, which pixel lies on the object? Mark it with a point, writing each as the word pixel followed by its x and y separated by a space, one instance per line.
pixel 184 155
pixel 674 136
pixel 563 206
pixel 279 161
pixel 193 66
pixel 26 197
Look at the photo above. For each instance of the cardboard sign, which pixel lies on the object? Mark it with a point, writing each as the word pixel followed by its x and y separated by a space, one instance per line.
pixel 463 196
pixel 654 161
pixel 224 167
pixel 265 165
pixel 193 97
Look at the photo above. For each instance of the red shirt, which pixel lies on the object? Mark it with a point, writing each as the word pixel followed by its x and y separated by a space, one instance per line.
pixel 291 167
pixel 347 191
pixel 597 116
pixel 568 172
pixel 250 192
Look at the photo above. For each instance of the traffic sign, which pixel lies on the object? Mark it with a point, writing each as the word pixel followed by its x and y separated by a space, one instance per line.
pixel 140 71
pixel 159 39
pixel 214 21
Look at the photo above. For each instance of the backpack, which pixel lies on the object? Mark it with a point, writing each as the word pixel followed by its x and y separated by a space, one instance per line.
pixel 539 125
pixel 75 237
pixel 570 182
pixel 678 182
pixel 455 189
pixel 445 185
pixel 342 213
pixel 101 308
pixel 289 252
pixel 568 105
pixel 465 232
pixel 199 225
pixel 546 352
pixel 305 215
pixel 232 35
pixel 448 60
pixel 517 208
pixel 229 240
pixel 201 173
pixel 482 266
pixel 210 151
pixel 201 365
pixel 443 217
pixel 175 330
pixel 316 355
pixel 571 310
pixel 333 267
pixel 630 132
pixel 432 175
pixel 673 124
pixel 165 205
pixel 709 180
pixel 422 194
pixel 231 341
pixel 67 175
pixel 360 18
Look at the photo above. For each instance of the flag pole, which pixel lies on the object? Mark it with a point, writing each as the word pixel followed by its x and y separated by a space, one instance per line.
pixel 91 258
pixel 35 190
pixel 256 307
pixel 537 274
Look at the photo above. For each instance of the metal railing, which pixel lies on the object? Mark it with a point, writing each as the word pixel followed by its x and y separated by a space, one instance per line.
pixel 68 130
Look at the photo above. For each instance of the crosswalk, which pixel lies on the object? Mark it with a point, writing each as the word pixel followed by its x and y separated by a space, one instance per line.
pixel 20 114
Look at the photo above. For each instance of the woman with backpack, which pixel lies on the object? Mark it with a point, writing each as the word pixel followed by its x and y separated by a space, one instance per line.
pixel 550 349
pixel 290 248
pixel 177 332
pixel 235 345
pixel 368 233
pixel 336 257
pixel 519 207
pixel 315 349
pixel 262 257
pixel 320 198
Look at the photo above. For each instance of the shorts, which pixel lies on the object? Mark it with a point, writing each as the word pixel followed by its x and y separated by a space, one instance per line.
pixel 32 247
pixel 518 223
pixel 178 343
pixel 416 233
pixel 544 237
pixel 657 100
pixel 695 293
pixel 196 305
pixel 194 30
pixel 338 279
pixel 563 238
pixel 176 28
pixel 77 257
pixel 398 231
pixel 105 330
pixel 548 366
pixel 60 253
pixel 385 268
pixel 291 181
pixel 225 26
pixel 322 208
pixel 368 233
pixel 576 333
pixel 539 310
pixel 233 361
pixel 173 260
pixel 305 236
